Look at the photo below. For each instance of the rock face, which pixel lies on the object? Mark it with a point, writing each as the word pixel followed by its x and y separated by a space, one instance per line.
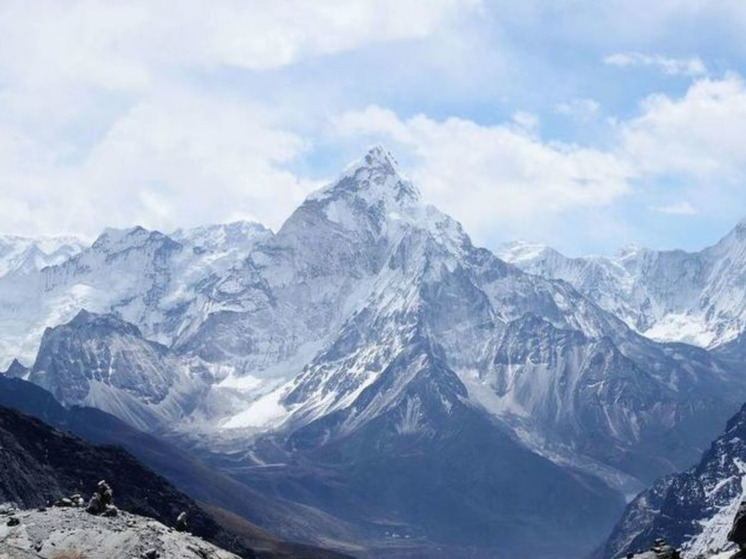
pixel 694 509
pixel 104 362
pixel 696 297
pixel 54 532
pixel 147 278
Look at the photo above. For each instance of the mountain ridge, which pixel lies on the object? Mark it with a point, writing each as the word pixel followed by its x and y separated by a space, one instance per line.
pixel 667 295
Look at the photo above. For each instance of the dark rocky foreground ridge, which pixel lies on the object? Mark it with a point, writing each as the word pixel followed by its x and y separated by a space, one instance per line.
pixel 40 463
pixel 72 533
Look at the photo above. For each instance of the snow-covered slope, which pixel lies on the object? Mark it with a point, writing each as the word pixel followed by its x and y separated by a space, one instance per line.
pixel 146 277
pixel 697 298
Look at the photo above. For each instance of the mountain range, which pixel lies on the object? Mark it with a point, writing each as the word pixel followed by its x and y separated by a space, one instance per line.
pixel 369 362
pixel 20 255
pixel 666 295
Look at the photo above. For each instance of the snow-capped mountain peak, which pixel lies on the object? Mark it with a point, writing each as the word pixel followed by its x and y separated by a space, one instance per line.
pixel 666 295
pixel 24 255
pixel 375 178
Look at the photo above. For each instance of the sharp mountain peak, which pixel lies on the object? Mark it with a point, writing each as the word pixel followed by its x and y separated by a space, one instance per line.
pixel 376 177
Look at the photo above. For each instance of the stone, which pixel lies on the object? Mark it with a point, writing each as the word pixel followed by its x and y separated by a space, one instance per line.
pixel 105 492
pixel 102 499
pixel 95 506
pixel 181 523
pixel 110 511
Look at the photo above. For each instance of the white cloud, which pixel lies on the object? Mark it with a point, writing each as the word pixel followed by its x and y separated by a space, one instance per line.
pixel 119 112
pixel 699 136
pixel 123 44
pixel 169 161
pixel 525 121
pixel 677 208
pixel 113 114
pixel 485 175
pixel 692 146
pixel 671 66
pixel 497 177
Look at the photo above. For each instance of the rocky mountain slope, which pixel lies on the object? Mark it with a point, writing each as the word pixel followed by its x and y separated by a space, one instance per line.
pixel 364 355
pixel 71 533
pixel 146 277
pixel 102 361
pixel 694 509
pixel 691 297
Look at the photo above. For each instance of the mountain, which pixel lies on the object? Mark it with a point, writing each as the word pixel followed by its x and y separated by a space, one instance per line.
pixel 673 296
pixel 694 509
pixel 101 361
pixel 370 362
pixel 148 278
pixel 21 255
pixel 223 240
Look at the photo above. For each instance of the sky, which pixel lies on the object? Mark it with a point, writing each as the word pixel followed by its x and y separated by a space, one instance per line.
pixel 585 125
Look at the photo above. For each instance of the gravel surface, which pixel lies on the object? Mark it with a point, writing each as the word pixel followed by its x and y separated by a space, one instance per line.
pixel 72 533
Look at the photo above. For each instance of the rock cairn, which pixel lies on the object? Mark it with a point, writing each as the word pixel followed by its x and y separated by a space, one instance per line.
pixel 102 502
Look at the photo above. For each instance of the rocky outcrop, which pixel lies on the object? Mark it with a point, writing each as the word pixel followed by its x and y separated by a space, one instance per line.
pixel 54 533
